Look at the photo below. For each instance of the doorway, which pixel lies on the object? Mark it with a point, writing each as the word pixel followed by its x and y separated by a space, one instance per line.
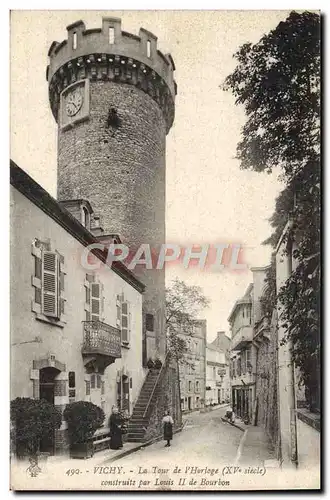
pixel 46 391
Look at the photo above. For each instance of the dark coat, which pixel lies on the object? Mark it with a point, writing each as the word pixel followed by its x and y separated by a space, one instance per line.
pixel 168 431
pixel 116 440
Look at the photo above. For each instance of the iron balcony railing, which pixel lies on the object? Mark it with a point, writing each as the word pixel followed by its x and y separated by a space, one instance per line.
pixel 100 338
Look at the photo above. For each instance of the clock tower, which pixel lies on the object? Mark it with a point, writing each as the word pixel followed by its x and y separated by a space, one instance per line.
pixel 112 95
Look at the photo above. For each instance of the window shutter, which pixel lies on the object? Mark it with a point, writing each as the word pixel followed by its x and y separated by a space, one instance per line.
pixel 124 322
pixel 95 301
pixel 118 307
pixel 50 282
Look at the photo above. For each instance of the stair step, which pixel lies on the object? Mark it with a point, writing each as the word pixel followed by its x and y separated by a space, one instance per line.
pixel 134 440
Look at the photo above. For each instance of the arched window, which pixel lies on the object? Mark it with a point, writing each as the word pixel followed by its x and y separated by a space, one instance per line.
pixel 85 217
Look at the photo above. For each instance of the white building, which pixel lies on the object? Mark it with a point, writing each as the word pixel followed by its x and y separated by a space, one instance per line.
pixel 217 377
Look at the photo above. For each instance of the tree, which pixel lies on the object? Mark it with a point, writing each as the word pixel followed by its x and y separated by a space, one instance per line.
pixel 183 305
pixel 277 80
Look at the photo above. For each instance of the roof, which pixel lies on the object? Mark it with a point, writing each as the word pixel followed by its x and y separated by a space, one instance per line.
pixel 246 299
pixel 43 200
pixel 214 348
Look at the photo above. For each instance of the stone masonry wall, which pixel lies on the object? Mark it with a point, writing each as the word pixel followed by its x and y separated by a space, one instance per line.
pixel 121 171
pixel 266 388
pixel 168 399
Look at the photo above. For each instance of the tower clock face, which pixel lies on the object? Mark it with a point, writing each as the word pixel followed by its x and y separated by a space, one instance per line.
pixel 74 101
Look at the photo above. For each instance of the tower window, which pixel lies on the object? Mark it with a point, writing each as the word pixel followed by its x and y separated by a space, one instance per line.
pixel 85 217
pixel 72 380
pixel 74 41
pixel 111 35
pixel 148 48
pixel 150 322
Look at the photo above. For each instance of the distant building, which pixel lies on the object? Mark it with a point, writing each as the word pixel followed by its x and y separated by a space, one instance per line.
pixel 217 376
pixel 192 370
pixel 242 355
pixel 222 342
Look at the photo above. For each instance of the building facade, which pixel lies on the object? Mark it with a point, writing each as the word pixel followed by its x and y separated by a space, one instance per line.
pixel 243 355
pixel 83 329
pixel 112 95
pixel 192 369
pixel 76 333
pixel 299 421
pixel 217 377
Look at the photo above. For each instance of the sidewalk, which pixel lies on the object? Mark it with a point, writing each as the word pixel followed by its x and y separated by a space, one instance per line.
pixel 255 448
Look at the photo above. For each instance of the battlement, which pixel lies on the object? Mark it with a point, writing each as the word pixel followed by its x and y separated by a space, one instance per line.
pixel 111 41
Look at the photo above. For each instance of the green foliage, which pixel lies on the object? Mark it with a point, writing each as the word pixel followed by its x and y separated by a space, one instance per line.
pixel 33 419
pixel 183 305
pixel 268 299
pixel 277 80
pixel 83 419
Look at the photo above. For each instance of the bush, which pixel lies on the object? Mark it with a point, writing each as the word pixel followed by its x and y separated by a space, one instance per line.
pixel 32 420
pixel 158 363
pixel 83 419
pixel 150 364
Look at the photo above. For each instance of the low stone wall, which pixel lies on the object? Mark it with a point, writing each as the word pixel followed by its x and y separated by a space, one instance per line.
pixel 167 398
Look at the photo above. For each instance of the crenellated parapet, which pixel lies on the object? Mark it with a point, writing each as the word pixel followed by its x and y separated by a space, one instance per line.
pixel 108 53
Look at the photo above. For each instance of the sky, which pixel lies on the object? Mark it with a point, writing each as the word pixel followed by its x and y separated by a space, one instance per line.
pixel 209 199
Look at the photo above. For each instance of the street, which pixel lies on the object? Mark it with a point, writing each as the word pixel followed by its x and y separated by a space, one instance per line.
pixel 204 439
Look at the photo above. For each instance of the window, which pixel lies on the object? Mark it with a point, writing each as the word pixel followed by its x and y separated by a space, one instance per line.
pixel 102 388
pixel 85 217
pixel 189 385
pixel 93 381
pixel 95 301
pixel 239 364
pixel 197 386
pixel 150 322
pixel 88 387
pixel 74 41
pixel 148 48
pixel 72 380
pixel 50 284
pixel 111 35
pixel 98 381
pixel 213 372
pixel 124 319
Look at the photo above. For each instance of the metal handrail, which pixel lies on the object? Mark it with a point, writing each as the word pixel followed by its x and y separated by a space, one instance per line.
pixel 167 357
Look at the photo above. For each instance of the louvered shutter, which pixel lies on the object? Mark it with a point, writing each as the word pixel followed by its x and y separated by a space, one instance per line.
pixel 50 284
pixel 124 322
pixel 95 301
pixel 118 307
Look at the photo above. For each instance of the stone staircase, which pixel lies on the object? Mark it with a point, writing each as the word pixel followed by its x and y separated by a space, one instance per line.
pixel 138 422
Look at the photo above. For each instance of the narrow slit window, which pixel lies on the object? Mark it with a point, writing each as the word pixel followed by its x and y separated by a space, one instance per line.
pixel 74 41
pixel 148 48
pixel 111 35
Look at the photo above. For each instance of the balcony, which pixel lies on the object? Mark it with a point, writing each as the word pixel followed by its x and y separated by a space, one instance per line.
pixel 101 345
pixel 242 338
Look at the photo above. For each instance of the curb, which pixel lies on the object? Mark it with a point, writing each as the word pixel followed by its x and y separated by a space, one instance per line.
pixel 139 446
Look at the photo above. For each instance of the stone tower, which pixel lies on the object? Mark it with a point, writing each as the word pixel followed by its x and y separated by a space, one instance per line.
pixel 112 95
